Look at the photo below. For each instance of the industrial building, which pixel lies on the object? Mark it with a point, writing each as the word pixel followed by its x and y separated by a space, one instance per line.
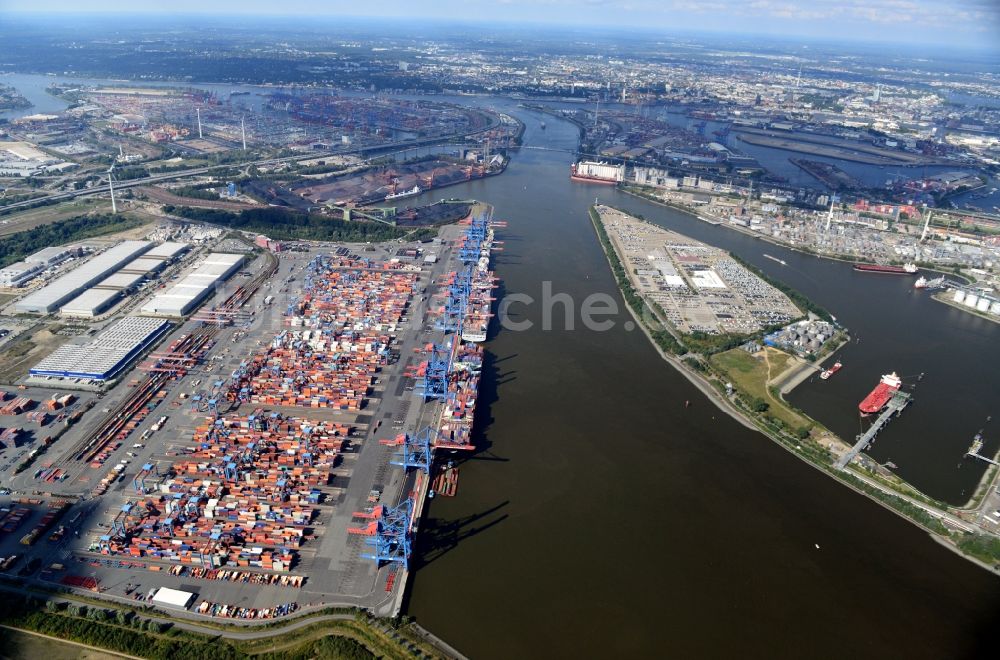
pixel 50 298
pixel 184 296
pixel 50 256
pixel 107 355
pixel 144 266
pixel 18 273
pixel 91 303
pixel 167 251
pixel 174 598
pixel 120 281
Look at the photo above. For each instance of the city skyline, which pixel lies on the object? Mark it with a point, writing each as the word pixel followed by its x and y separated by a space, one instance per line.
pixel 967 24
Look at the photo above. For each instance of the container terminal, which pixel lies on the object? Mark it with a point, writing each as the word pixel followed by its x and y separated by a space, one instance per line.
pixel 281 430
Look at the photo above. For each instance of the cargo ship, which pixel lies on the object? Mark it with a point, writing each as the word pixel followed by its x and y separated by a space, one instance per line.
pixel 905 269
pixel 591 172
pixel 415 190
pixel 826 373
pixel 880 396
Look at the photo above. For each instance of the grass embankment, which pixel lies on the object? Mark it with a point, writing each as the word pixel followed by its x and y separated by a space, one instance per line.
pixel 125 630
pixel 752 374
pixel 293 225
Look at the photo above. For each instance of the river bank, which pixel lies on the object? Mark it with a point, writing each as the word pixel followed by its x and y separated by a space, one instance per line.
pixel 633 192
pixel 899 497
pixel 943 297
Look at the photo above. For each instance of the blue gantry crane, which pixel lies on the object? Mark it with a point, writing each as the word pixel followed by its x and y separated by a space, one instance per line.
pixel 435 381
pixel 416 450
pixel 391 540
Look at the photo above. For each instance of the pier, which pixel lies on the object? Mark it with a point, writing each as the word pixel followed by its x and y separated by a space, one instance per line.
pixel 977 444
pixel 895 406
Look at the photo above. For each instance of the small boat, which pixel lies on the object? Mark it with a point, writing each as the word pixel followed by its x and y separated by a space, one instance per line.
pixel 832 370
pixel 780 261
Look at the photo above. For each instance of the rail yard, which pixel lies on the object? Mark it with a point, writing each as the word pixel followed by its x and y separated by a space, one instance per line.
pixel 277 430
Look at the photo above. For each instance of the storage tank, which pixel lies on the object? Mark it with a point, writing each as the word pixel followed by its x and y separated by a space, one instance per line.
pixel 959 295
pixel 995 308
pixel 983 304
pixel 971 300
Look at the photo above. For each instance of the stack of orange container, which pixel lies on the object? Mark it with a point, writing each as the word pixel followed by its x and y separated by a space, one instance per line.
pixel 341 331
pixel 243 496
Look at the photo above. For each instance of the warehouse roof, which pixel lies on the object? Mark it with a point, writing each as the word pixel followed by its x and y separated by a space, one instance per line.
pixel 49 298
pixel 120 280
pixel 173 597
pixel 91 302
pixel 143 265
pixel 168 250
pixel 182 297
pixel 107 354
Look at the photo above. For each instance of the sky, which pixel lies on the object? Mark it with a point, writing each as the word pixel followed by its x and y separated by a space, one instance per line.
pixel 961 22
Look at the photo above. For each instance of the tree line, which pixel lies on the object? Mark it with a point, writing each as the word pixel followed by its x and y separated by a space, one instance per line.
pixel 285 224
pixel 23 243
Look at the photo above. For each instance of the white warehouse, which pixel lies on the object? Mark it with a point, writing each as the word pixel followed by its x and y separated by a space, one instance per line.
pixel 50 298
pixel 184 296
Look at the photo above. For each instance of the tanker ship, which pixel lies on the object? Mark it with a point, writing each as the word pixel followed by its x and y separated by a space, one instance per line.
pixel 905 269
pixel 880 396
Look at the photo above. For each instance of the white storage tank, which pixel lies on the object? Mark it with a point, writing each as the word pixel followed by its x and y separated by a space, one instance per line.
pixel 971 300
pixel 959 295
pixel 995 308
pixel 983 305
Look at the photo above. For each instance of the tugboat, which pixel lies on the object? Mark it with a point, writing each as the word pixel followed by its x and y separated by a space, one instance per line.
pixel 826 373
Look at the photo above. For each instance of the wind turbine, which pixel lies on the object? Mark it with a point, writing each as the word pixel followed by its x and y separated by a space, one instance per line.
pixel 111 187
pixel 927 224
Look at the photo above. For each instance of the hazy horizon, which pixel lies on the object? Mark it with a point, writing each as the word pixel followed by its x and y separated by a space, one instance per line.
pixel 966 24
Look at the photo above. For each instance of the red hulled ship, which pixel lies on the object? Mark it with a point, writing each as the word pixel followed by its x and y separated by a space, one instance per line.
pixel 905 269
pixel 880 396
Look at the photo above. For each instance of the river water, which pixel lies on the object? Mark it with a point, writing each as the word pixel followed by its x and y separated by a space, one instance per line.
pixel 603 518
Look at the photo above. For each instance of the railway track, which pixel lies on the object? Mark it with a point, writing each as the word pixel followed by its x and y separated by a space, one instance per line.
pixel 115 425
